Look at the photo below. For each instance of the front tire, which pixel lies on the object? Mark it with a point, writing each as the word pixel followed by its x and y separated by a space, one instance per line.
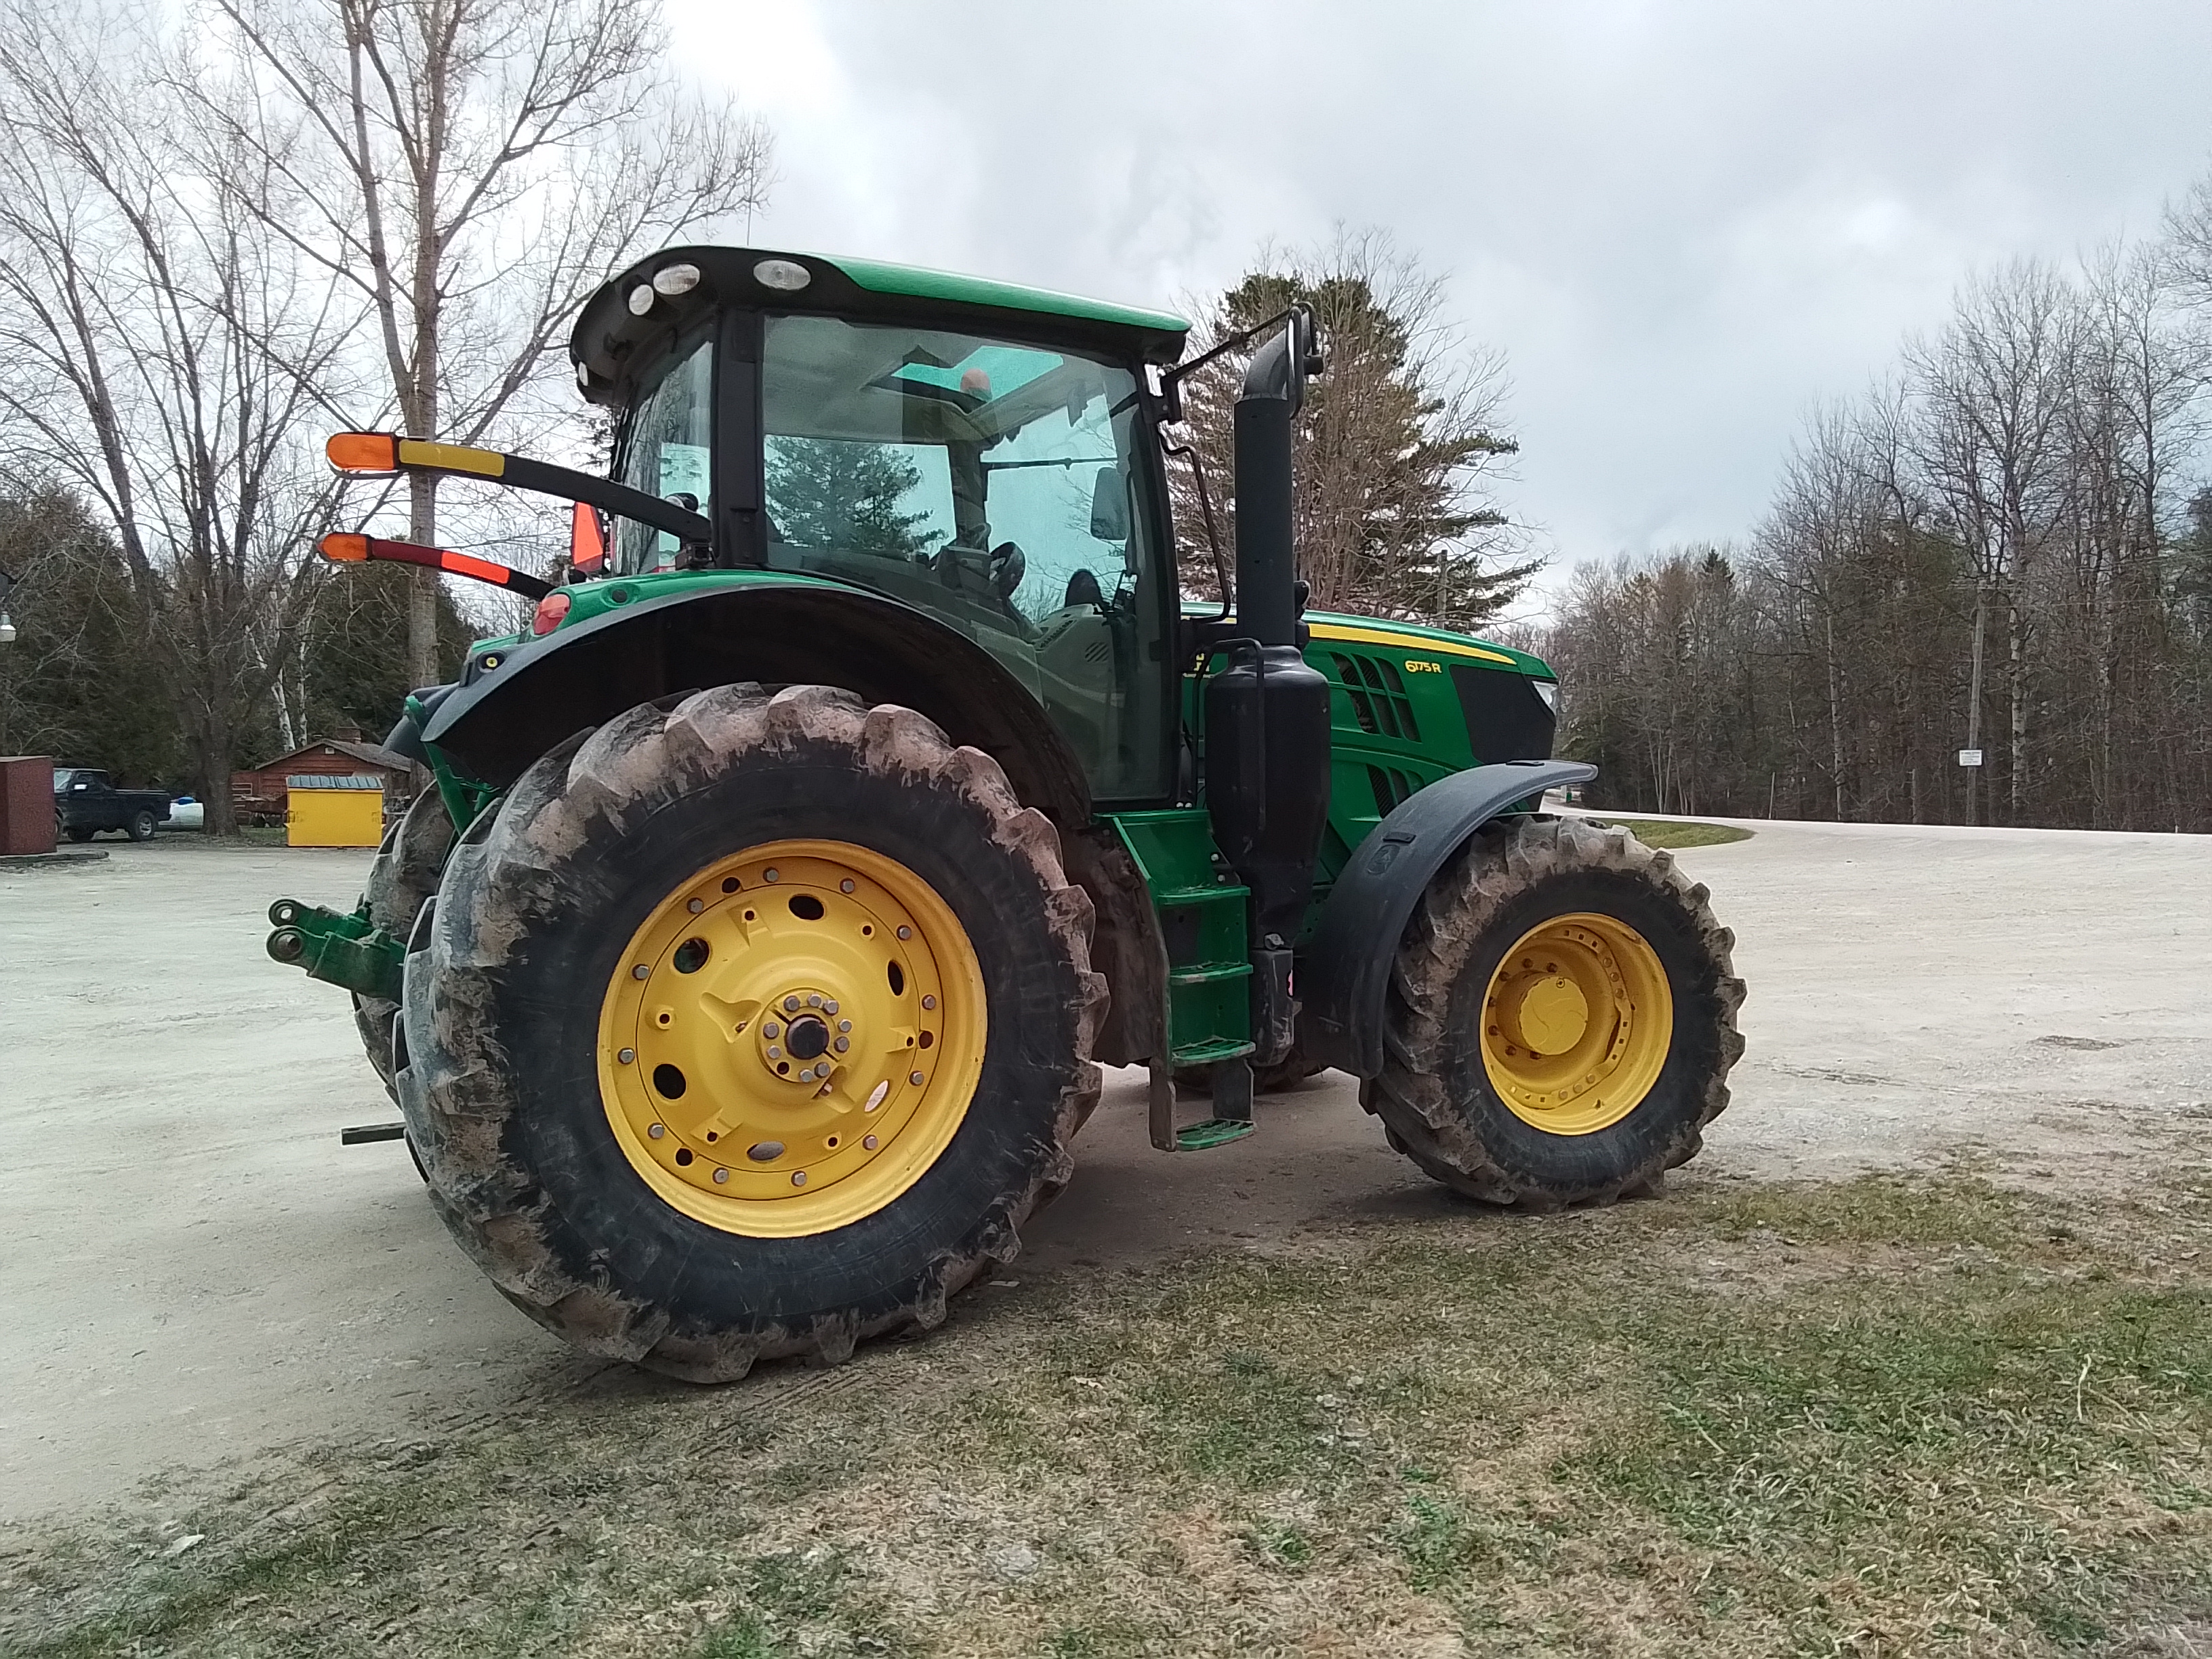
pixel 140 827
pixel 588 1070
pixel 1562 1018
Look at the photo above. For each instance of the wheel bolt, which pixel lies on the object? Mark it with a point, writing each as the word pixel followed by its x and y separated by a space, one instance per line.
pixel 841 1044
pixel 770 1030
pixel 770 874
pixel 843 1025
pixel 929 1002
pixel 869 1142
pixel 791 1004
pixel 696 906
pixel 721 1175
pixel 906 932
pixel 831 1006
pixel 657 1131
pixel 814 999
pixel 626 1055
pixel 775 1053
pixel 799 1177
pixel 915 1077
pixel 845 886
pixel 640 972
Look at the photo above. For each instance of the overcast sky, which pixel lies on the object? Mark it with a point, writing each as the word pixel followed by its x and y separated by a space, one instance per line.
pixel 1681 223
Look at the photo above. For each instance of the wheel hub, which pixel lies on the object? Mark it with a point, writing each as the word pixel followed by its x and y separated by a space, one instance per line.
pixel 791 1038
pixel 1576 1023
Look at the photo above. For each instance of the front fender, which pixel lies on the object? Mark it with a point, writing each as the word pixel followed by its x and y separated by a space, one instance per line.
pixel 1345 971
pixel 779 631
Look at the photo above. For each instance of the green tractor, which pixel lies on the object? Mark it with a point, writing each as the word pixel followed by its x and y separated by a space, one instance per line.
pixel 866 782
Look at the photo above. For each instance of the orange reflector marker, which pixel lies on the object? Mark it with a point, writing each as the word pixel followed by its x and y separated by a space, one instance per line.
pixel 341 548
pixel 552 611
pixel 587 539
pixel 482 570
pixel 363 452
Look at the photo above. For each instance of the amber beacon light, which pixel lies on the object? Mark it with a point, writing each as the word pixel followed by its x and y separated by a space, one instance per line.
pixel 362 451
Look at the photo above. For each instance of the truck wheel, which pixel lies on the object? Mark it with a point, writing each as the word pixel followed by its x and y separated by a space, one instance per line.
pixel 752 1028
pixel 78 834
pixel 405 874
pixel 1562 1018
pixel 140 827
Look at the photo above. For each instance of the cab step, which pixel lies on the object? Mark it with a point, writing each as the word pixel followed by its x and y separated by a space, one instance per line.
pixel 1233 1105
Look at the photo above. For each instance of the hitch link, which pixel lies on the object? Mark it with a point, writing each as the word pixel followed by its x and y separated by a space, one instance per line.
pixel 347 949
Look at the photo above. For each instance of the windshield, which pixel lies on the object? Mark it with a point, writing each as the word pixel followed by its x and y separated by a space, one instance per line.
pixel 995 485
pixel 664 451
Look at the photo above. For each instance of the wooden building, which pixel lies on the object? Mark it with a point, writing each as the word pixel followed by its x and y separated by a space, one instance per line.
pixel 261 795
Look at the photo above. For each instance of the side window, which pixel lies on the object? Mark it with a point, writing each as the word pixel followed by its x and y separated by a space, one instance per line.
pixel 667 452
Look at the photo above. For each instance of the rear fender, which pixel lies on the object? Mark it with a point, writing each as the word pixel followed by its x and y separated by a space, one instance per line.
pixel 781 633
pixel 1345 971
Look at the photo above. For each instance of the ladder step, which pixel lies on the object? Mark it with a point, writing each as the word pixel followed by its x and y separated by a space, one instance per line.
pixel 1214 1131
pixel 1206 1053
pixel 1174 898
pixel 1209 975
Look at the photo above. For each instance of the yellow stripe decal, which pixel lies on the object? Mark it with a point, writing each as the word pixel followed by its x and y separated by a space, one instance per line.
pixel 1396 641
pixel 452 457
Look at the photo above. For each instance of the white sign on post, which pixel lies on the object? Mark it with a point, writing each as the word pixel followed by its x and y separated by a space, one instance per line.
pixel 1969 757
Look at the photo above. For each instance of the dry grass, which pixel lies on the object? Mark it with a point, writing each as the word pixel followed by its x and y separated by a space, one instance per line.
pixel 1883 1417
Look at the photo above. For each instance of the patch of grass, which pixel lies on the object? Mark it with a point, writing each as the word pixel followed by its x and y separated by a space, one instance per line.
pixel 1923 1415
pixel 1663 832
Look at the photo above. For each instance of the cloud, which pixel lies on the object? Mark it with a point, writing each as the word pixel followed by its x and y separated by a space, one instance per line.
pixel 1682 222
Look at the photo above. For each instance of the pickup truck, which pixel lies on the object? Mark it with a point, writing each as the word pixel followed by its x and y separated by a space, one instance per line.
pixel 87 802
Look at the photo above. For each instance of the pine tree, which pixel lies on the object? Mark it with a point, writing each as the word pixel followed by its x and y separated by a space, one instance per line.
pixel 844 495
pixel 1395 449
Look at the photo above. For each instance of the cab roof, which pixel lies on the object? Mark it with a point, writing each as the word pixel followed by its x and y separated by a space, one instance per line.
pixel 611 336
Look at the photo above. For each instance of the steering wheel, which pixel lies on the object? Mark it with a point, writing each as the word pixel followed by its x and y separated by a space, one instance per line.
pixel 1008 566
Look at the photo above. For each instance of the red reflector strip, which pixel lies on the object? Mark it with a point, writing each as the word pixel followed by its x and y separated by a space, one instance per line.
pixel 482 570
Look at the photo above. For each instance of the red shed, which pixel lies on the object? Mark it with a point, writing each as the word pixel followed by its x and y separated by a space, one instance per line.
pixel 259 796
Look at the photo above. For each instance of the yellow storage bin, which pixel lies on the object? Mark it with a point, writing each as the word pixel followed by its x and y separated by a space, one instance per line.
pixel 334 812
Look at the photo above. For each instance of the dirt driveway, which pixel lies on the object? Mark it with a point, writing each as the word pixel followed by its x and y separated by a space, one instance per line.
pixel 197 1270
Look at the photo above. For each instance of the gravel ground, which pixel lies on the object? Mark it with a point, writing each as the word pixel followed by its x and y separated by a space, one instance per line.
pixel 199 1273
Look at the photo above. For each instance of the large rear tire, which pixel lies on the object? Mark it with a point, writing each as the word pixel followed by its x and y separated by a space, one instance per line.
pixel 602 1016
pixel 402 879
pixel 1562 1018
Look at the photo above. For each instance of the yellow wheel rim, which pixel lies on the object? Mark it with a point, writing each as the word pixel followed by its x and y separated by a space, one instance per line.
pixel 791 1038
pixel 1576 1023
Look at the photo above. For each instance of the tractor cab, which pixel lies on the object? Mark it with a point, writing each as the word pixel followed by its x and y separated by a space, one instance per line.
pixel 988 464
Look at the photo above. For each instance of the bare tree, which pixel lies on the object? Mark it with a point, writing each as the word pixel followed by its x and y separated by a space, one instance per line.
pixel 472 169
pixel 1993 387
pixel 158 346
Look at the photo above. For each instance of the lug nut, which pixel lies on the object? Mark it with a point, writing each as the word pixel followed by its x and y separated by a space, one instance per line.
pixel 721 1175
pixel 640 972
pixel 906 932
pixel 770 874
pixel 626 1055
pixel 844 1024
pixel 657 1131
pixel 915 1077
pixel 791 1004
pixel 775 1053
pixel 841 1044
pixel 770 1030
pixel 846 885
pixel 814 998
pixel 696 906
pixel 799 1177
pixel 929 1002
pixel 831 1006
pixel 868 1141
pixel 806 1075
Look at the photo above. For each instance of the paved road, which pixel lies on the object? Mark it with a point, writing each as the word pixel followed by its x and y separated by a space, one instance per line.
pixel 197 1270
